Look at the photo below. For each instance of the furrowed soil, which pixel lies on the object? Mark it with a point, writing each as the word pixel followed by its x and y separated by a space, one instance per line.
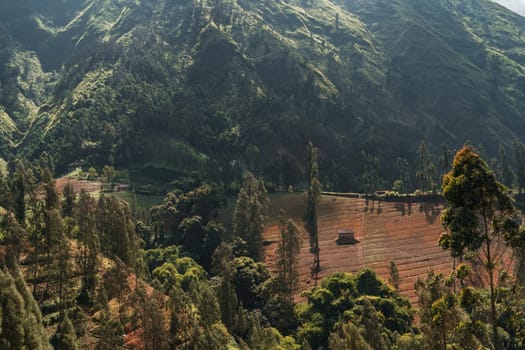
pixel 406 233
pixel 78 185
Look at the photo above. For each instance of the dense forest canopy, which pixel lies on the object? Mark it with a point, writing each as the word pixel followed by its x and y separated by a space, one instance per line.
pixel 223 86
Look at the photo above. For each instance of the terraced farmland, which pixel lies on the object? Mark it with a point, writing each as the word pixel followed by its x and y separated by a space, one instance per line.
pixel 78 185
pixel 406 233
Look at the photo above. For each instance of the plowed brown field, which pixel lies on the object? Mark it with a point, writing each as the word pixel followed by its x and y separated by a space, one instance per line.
pixel 78 185
pixel 406 233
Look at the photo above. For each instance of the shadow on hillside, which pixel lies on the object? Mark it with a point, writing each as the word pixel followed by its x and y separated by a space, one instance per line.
pixel 403 208
pixel 432 211
pixel 400 207
pixel 373 208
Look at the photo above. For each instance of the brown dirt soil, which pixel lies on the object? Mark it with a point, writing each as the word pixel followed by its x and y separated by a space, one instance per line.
pixel 406 233
pixel 86 185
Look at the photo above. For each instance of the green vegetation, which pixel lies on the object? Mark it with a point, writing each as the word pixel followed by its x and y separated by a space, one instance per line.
pixel 248 84
pixel 196 100
pixel 170 279
pixel 312 210
pixel 250 214
pixel 480 211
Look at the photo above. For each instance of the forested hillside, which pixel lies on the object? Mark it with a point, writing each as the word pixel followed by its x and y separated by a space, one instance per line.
pixel 202 101
pixel 223 86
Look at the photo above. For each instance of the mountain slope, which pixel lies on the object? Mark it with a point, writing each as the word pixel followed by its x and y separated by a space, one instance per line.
pixel 220 86
pixel 456 64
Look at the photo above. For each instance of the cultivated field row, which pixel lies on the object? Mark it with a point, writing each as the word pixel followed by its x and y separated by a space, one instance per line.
pixel 406 233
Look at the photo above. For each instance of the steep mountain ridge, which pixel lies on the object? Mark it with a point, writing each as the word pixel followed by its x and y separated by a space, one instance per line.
pixel 443 65
pixel 220 86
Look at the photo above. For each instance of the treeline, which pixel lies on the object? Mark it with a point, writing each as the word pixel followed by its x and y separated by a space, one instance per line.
pixel 60 243
pixel 102 273
pixel 424 174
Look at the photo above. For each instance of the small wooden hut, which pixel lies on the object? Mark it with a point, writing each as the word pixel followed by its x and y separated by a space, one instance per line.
pixel 345 237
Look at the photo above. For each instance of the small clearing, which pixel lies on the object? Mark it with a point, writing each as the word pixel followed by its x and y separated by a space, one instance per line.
pixel 78 185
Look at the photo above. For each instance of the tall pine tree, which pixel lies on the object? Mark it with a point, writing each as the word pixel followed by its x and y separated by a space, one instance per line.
pixel 312 211
pixel 425 169
pixel 288 253
pixel 117 231
pixel 18 185
pixel 250 214
pixel 480 213
pixel 6 195
pixel 519 160
pixel 88 237
pixel 20 320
